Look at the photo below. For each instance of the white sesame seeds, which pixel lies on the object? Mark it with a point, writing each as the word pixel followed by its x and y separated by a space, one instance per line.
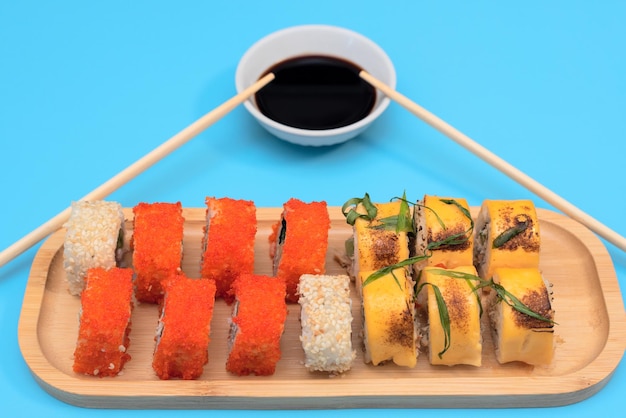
pixel 326 319
pixel 91 238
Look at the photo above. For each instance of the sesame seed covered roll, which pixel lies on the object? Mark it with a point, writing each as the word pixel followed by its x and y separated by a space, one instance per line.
pixel 94 237
pixel 326 319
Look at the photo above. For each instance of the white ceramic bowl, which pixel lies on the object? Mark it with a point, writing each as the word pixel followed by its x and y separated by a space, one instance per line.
pixel 315 40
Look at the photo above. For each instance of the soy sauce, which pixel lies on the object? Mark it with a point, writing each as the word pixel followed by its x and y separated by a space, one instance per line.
pixel 316 92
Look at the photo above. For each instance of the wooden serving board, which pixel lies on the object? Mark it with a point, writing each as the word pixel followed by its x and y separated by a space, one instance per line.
pixel 590 341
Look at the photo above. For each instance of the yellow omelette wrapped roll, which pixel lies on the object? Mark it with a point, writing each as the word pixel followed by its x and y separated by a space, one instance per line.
pixel 506 235
pixel 465 338
pixel 443 229
pixel 375 245
pixel 518 336
pixel 389 331
pixel 389 328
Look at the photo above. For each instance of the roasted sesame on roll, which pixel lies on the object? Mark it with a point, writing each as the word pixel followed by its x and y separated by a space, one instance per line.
pixel 506 235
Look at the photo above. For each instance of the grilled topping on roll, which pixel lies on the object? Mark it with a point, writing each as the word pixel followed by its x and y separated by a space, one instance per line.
pixel 507 235
pixel 460 328
pixel 520 335
pixel 389 328
pixel 444 232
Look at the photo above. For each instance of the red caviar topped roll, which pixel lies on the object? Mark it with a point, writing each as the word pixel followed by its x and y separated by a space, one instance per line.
pixel 183 332
pixel 257 325
pixel 157 247
pixel 103 334
pixel 228 242
pixel 299 242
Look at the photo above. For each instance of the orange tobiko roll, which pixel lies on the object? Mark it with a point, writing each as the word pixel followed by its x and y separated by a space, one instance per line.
pixel 184 328
pixel 298 243
pixel 257 325
pixel 103 333
pixel 228 242
pixel 157 245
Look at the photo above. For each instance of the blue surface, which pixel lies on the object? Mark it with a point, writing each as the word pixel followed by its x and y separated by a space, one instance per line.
pixel 87 88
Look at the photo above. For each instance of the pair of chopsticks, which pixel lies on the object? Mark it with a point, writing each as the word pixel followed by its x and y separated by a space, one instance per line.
pixel 216 114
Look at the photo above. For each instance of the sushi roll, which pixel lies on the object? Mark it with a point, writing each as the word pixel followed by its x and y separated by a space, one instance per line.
pixel 94 237
pixel 104 324
pixel 184 327
pixel 377 246
pixel 463 308
pixel 298 243
pixel 506 235
pixel 157 244
pixel 386 293
pixel 518 336
pixel 389 325
pixel 326 320
pixel 444 232
pixel 228 242
pixel 257 325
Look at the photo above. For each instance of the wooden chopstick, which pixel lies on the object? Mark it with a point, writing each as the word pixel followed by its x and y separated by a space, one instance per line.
pixel 497 162
pixel 135 169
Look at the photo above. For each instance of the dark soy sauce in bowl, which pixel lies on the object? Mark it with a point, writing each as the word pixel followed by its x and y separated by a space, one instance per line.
pixel 316 92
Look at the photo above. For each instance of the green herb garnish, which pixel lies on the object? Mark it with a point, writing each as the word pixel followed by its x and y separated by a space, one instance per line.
pixel 510 299
pixel 503 295
pixel 398 223
pixel 405 223
pixel 510 233
pixel 455 239
pixel 386 270
pixel 444 316
pixel 459 206
pixel 349 209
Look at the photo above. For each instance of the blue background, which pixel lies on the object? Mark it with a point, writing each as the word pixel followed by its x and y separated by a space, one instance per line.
pixel 87 88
